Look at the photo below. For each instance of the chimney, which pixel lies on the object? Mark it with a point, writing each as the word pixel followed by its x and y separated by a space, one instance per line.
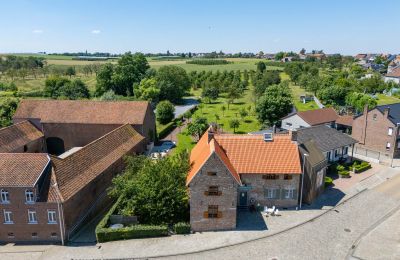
pixel 211 131
pixel 274 129
pixel 294 136
pixel 386 112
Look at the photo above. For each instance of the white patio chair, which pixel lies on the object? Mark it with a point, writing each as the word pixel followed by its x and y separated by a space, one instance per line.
pixel 265 211
pixel 276 212
pixel 271 210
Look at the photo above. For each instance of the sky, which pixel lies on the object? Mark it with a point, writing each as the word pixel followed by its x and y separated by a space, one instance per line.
pixel 117 26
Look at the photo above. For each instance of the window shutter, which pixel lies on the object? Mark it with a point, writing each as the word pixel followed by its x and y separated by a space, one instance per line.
pixel 205 214
pixel 206 193
pixel 282 191
pixel 219 193
pixel 219 215
pixel 295 194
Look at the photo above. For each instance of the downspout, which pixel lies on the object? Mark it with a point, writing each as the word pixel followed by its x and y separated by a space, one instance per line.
pixel 61 219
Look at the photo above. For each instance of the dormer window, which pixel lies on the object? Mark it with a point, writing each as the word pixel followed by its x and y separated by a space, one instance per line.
pixel 5 197
pixel 29 197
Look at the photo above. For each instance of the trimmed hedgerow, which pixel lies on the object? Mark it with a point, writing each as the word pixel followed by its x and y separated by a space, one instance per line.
pixel 135 231
pixel 182 228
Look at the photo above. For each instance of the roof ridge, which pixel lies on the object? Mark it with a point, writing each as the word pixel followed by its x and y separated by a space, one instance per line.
pixel 13 125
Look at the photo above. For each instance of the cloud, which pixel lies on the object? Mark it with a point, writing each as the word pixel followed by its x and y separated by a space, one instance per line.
pixel 96 32
pixel 37 31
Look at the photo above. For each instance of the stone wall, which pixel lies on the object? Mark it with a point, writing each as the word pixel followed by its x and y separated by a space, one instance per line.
pixel 226 201
pixel 257 186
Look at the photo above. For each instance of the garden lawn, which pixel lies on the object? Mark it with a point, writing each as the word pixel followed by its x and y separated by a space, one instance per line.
pixel 184 143
pixel 385 100
pixel 247 124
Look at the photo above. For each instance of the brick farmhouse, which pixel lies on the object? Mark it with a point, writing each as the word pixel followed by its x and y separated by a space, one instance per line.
pixel 58 159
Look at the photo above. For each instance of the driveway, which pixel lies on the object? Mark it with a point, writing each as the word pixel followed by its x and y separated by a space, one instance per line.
pixel 189 103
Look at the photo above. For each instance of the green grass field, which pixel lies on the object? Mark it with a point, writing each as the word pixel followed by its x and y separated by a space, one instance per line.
pixel 385 100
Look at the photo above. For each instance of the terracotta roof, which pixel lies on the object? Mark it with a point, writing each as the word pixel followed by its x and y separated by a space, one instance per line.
pixel 345 120
pixel 318 116
pixel 395 73
pixel 83 111
pixel 75 171
pixel 18 135
pixel 21 169
pixel 251 154
pixel 200 154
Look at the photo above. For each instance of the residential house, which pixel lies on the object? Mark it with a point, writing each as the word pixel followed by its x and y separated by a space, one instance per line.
pixel 46 198
pixel 360 56
pixel 332 143
pixel 21 137
pixel 393 75
pixel 297 120
pixel 75 123
pixel 344 123
pixel 231 172
pixel 377 132
pixel 315 164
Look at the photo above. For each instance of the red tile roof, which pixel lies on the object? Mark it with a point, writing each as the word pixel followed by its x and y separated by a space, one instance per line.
pixel 395 73
pixel 75 171
pixel 318 116
pixel 251 154
pixel 83 111
pixel 18 135
pixel 21 169
pixel 248 154
pixel 345 120
pixel 200 154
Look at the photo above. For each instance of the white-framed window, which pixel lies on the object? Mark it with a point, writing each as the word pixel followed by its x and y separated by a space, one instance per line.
pixel 289 193
pixel 288 124
pixel 32 218
pixel 390 131
pixel 29 197
pixel 387 146
pixel 270 193
pixel 5 196
pixel 8 217
pixel 320 179
pixel 51 216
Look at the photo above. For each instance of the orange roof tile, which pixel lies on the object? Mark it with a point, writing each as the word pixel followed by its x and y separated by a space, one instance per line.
pixel 83 111
pixel 75 171
pixel 251 154
pixel 18 135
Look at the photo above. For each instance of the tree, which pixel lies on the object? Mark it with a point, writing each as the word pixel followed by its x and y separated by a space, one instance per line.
pixel 165 112
pixel 261 67
pixel 70 72
pixel 154 190
pixel 275 103
pixel 147 90
pixel 53 85
pixel 303 51
pixel 173 83
pixel 104 81
pixel 210 91
pixel 7 110
pixel 359 100
pixel 197 127
pixel 75 89
pixel 243 113
pixel 108 96
pixel 217 118
pixel 223 108
pixel 234 123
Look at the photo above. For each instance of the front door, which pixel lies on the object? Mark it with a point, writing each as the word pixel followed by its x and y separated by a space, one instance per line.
pixel 243 198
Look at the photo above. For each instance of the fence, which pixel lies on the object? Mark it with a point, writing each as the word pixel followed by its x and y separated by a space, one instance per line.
pixel 376 157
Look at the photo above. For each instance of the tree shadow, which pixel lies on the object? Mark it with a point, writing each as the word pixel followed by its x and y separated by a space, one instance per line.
pixel 250 221
pixel 248 121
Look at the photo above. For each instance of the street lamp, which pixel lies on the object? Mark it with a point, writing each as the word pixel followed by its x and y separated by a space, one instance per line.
pixel 302 180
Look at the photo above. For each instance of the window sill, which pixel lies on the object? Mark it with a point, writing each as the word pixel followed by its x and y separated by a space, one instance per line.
pixel 52 223
pixel 8 223
pixel 29 203
pixel 32 223
pixel 5 202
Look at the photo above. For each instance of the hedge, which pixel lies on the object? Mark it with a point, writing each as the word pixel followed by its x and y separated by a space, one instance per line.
pixel 328 181
pixel 208 62
pixel 361 167
pixel 182 228
pixel 104 233
pixel 134 231
pixel 167 129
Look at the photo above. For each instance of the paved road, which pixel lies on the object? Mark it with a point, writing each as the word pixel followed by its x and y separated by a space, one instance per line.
pixel 328 237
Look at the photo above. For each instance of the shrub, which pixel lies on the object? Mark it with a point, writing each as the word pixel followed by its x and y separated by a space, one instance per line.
pixel 344 173
pixel 363 166
pixel 166 130
pixel 328 181
pixel 182 228
pixel 340 168
pixel 165 111
pixel 135 231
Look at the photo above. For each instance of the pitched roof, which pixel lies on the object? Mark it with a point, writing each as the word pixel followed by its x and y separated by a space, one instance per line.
pixel 318 116
pixel 21 169
pixel 18 135
pixel 83 111
pixel 75 171
pixel 345 120
pixel 395 73
pixel 394 111
pixel 315 155
pixel 326 138
pixel 251 154
pixel 200 154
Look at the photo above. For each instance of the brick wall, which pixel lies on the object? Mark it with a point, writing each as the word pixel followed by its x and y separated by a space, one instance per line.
pixel 226 201
pixel 372 133
pixel 21 229
pixel 258 186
